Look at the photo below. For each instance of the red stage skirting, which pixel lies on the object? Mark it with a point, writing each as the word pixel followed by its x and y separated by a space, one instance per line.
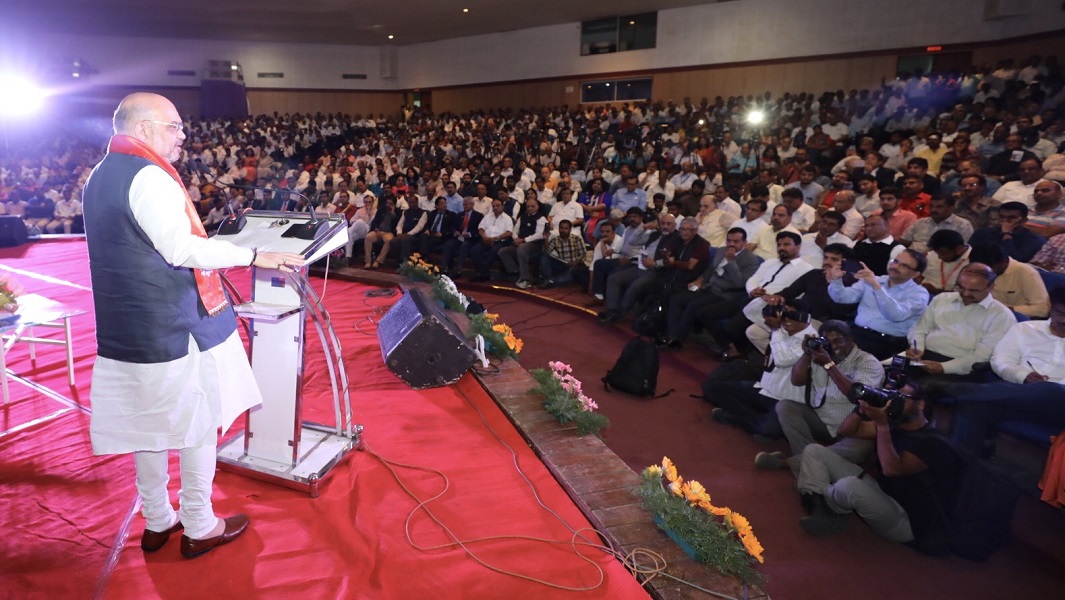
pixel 62 506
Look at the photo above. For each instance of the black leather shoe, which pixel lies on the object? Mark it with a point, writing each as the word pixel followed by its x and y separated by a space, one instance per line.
pixel 235 525
pixel 154 540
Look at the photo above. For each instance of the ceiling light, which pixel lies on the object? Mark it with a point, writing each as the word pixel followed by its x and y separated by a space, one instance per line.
pixel 632 22
pixel 390 36
pixel 465 10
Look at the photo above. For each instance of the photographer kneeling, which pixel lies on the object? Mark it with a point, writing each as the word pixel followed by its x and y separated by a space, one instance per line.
pixel 829 367
pixel 918 471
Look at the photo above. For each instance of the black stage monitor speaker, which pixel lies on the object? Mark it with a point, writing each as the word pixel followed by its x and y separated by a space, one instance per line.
pixel 12 231
pixel 421 344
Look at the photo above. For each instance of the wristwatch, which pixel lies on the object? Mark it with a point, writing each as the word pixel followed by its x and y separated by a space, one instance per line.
pixel 828 365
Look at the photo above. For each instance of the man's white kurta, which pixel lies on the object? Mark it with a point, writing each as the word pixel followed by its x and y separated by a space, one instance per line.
pixel 181 403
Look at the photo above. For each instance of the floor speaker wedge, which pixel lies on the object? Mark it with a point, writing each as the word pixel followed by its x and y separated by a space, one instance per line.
pixel 12 231
pixel 421 344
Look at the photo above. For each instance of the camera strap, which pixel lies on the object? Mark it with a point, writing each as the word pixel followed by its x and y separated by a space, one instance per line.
pixel 807 391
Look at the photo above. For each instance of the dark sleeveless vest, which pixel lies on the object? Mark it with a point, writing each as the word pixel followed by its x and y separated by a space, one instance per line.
pixel 145 307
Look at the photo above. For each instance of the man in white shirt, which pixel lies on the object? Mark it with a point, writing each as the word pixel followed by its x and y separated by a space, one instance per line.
pixel 828 232
pixel 166 335
pixel 66 211
pixel 344 196
pixel 751 406
pixel 1030 358
pixel 1031 173
pixel 753 223
pixel 496 231
pixel 566 209
pixel 854 220
pixel 959 329
pixel 803 216
pixel 482 203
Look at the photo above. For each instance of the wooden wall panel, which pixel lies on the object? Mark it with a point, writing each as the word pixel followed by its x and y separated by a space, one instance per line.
pixel 1020 50
pixel 264 101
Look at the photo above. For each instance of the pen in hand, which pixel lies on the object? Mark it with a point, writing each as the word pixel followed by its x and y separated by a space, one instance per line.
pixel 1041 376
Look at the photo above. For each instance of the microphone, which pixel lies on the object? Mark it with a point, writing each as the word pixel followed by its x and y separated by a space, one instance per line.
pixel 308 230
pixel 232 224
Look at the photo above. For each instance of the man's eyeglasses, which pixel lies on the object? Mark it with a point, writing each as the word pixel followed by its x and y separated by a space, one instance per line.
pixel 896 261
pixel 176 127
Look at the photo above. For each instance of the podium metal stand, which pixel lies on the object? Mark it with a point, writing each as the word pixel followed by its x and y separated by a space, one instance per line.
pixel 277 445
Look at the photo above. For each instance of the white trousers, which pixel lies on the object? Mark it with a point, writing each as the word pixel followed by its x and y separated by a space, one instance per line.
pixel 356 232
pixel 197 478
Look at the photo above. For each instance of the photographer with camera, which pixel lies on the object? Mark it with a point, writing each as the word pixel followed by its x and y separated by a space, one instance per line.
pixel 829 367
pixel 917 472
pixel 749 405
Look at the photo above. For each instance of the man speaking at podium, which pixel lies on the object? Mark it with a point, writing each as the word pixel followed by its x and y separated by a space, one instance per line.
pixel 170 367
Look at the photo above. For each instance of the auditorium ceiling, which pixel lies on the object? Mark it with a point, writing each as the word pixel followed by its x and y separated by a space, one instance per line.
pixel 313 21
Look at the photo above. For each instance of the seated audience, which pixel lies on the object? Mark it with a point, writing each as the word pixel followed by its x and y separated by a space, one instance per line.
pixel 1047 217
pixel 973 203
pixel 878 248
pixel 940 216
pixel 563 252
pixel 495 232
pixel 1010 232
pixel 898 219
pixel 1017 285
pixel 949 255
pixel 528 236
pixel 1030 359
pixel 828 233
pixel 888 305
pixel 765 245
pixel 959 329
pixel 464 238
pixel 719 290
pixel 627 287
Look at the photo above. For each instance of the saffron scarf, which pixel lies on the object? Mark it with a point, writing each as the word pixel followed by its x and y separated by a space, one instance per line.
pixel 208 282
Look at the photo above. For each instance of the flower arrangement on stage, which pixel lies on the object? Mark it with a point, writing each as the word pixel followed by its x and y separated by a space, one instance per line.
pixel 444 289
pixel 499 339
pixel 713 535
pixel 448 294
pixel 419 270
pixel 9 293
pixel 565 399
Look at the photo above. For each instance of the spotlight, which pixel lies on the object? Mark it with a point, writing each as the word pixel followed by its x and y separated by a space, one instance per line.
pixel 702 121
pixel 755 117
pixel 20 98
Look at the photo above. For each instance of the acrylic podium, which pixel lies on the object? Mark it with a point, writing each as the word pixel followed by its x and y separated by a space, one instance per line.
pixel 278 445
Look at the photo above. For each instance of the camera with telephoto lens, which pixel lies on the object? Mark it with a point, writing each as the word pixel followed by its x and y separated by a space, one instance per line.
pixel 895 374
pixel 814 344
pixel 878 398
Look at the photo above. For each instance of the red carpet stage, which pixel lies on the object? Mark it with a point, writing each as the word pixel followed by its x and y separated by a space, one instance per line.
pixel 62 507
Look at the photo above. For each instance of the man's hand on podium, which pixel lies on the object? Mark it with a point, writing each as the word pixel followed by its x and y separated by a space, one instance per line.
pixel 283 261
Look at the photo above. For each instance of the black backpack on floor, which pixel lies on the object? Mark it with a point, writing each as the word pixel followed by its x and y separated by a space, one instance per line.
pixel 636 370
